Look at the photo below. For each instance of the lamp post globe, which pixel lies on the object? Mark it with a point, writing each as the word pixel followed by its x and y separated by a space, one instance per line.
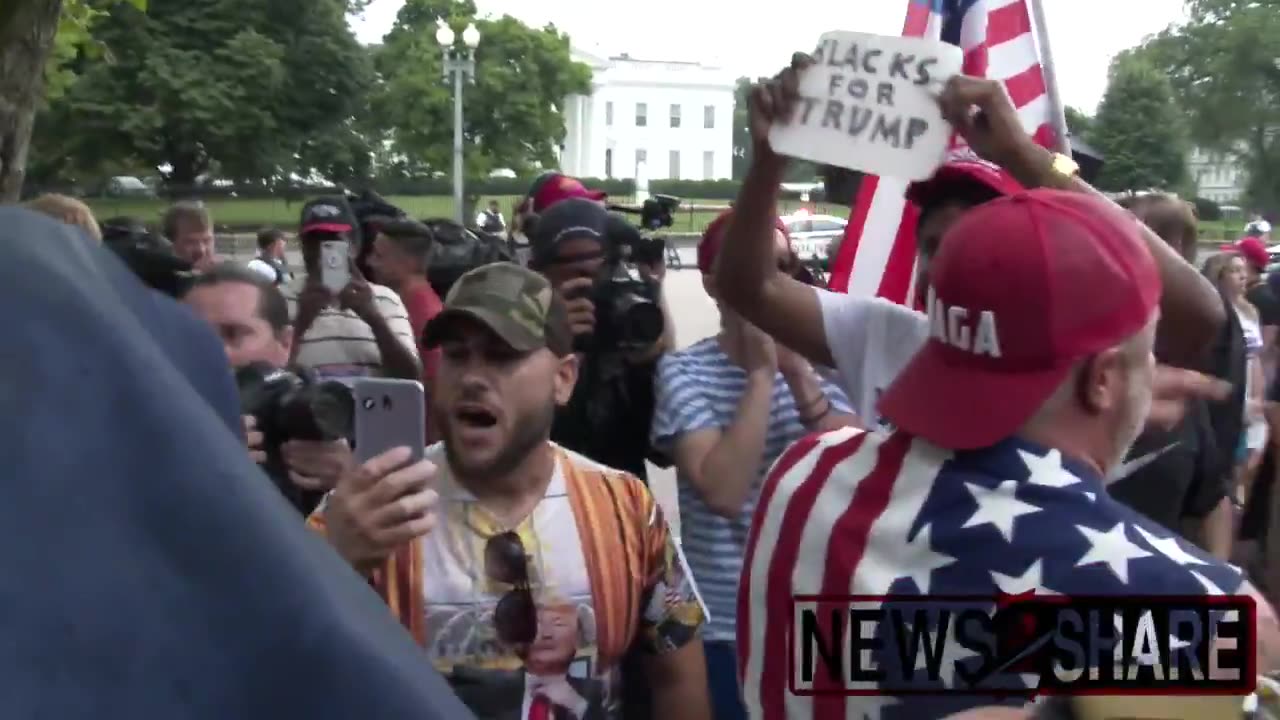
pixel 471 36
pixel 444 35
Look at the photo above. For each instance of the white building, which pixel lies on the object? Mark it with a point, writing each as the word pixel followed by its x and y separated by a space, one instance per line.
pixel 674 118
pixel 1219 176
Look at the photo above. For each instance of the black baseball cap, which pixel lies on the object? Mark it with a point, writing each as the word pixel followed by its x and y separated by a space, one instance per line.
pixel 566 220
pixel 331 214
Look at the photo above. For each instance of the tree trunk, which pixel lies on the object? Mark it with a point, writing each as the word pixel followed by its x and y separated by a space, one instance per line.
pixel 27 29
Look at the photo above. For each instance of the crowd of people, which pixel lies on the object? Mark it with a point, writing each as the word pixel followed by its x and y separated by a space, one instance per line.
pixel 1071 407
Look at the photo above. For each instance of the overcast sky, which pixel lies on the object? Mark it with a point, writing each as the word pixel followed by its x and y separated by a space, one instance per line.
pixel 1084 34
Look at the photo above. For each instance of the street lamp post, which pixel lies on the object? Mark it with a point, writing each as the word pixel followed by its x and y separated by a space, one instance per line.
pixel 459 66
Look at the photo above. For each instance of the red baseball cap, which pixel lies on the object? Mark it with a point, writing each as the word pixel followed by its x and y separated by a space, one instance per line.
pixel 1023 287
pixel 1253 250
pixel 713 236
pixel 552 187
pixel 963 167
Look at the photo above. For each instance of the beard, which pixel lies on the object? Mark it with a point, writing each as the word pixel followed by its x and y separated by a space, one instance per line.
pixel 529 431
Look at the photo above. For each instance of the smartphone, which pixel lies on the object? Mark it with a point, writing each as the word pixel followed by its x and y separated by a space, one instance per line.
pixel 389 414
pixel 335 265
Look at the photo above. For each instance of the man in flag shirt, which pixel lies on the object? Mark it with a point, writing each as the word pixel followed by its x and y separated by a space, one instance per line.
pixel 869 340
pixel 1027 392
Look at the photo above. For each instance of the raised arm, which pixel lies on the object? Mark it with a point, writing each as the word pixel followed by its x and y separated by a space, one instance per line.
pixel 996 134
pixel 747 277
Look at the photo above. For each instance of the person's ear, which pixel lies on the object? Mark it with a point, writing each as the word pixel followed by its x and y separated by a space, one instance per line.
pixel 286 340
pixel 1101 381
pixel 566 377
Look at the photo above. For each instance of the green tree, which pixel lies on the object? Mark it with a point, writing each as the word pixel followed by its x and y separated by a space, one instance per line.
pixel 37 39
pixel 1079 125
pixel 1222 64
pixel 797 170
pixel 237 87
pixel 513 112
pixel 1139 130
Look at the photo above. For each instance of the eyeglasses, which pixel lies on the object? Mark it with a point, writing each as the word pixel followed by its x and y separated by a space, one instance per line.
pixel 516 616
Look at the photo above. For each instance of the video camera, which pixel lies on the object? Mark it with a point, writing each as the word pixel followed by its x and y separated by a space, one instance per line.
pixel 149 256
pixel 289 405
pixel 655 213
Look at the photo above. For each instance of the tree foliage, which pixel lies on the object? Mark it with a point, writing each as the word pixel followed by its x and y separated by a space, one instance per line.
pixel 1139 130
pixel 797 170
pixel 1079 125
pixel 1223 67
pixel 512 112
pixel 238 86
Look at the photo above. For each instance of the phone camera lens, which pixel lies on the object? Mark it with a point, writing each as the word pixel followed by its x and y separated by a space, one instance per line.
pixel 368 403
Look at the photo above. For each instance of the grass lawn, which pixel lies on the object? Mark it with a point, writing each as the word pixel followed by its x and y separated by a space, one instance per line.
pixel 247 215
pixel 235 214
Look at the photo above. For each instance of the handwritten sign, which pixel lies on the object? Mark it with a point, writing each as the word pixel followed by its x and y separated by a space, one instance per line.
pixel 868 103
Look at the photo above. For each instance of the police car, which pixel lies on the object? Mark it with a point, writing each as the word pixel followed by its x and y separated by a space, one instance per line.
pixel 811 234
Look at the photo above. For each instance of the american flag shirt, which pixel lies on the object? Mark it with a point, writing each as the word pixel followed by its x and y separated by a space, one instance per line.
pixel 856 513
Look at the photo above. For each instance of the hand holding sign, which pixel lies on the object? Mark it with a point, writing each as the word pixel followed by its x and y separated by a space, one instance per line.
pixel 867 102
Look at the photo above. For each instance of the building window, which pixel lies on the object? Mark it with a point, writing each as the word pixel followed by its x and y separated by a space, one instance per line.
pixel 675 116
pixel 709 117
pixel 642 115
pixel 641 158
pixel 675 165
pixel 608 162
pixel 708 165
pixel 608 113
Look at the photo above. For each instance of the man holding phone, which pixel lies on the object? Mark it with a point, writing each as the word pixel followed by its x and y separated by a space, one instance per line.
pixel 343 325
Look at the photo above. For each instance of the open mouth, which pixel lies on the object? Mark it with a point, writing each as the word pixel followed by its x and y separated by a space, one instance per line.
pixel 475 417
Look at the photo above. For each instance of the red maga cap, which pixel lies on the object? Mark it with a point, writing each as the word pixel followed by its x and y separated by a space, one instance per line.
pixel 553 187
pixel 713 238
pixel 1253 250
pixel 963 167
pixel 1023 287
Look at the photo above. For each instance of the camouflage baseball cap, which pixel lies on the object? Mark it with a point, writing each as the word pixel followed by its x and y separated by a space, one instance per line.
pixel 516 303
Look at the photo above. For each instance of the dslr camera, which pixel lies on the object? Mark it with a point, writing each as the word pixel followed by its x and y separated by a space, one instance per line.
pixel 294 405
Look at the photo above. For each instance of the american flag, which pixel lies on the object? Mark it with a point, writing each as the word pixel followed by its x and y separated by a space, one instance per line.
pixel 878 254
pixel 852 513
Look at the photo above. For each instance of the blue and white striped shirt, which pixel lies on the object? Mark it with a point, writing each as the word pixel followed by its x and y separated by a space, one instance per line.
pixel 699 388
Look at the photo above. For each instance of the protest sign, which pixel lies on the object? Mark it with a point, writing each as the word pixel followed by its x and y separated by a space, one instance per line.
pixel 868 104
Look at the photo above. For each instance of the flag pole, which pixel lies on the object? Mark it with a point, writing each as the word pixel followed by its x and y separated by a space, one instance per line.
pixel 1057 110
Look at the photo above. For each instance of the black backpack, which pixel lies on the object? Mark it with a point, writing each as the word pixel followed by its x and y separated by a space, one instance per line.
pixel 457 250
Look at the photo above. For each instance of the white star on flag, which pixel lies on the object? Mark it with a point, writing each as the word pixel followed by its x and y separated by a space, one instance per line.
pixel 920 557
pixel 1047 471
pixel 1031 579
pixel 999 507
pixel 1111 548
pixel 1169 547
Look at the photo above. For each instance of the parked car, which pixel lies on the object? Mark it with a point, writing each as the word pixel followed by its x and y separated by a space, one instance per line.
pixel 127 186
pixel 811 235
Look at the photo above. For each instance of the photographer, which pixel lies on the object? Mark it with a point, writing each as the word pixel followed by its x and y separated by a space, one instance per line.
pixel 620 330
pixel 250 316
pixel 364 329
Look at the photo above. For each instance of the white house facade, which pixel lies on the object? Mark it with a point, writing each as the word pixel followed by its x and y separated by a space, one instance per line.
pixel 659 119
pixel 1219 176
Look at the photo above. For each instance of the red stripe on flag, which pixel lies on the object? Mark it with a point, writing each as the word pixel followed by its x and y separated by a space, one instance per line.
pixel 1007 23
pixel 895 283
pixel 975 61
pixel 848 544
pixel 842 266
pixel 783 466
pixel 917 21
pixel 778 588
pixel 1026 86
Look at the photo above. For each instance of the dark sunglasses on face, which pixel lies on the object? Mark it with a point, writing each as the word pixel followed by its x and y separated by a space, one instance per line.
pixel 515 618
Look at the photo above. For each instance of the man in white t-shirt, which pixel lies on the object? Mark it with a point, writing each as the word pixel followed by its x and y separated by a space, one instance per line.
pixel 869 340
